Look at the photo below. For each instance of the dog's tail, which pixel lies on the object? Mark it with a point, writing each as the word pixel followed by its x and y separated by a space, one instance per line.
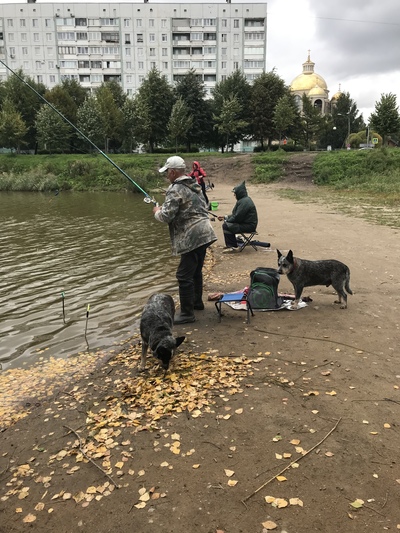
pixel 347 283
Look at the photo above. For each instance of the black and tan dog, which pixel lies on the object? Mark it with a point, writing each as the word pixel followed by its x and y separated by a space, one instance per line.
pixel 302 273
pixel 156 330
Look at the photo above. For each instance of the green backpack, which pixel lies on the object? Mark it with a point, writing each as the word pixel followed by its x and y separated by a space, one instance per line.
pixel 263 290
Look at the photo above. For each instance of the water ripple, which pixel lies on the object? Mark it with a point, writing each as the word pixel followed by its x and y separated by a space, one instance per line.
pixel 99 249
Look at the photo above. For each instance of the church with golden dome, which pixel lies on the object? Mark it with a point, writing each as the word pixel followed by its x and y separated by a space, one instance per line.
pixel 314 86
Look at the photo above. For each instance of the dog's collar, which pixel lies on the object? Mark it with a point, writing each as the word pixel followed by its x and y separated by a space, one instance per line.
pixel 294 262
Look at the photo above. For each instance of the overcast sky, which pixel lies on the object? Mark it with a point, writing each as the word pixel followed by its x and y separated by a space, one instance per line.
pixel 355 43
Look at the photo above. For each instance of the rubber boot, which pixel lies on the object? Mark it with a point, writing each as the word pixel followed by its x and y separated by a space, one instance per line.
pixel 198 296
pixel 186 315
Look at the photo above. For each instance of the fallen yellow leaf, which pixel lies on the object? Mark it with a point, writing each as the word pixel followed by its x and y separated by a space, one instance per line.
pixel 29 518
pixel 281 478
pixel 229 473
pixel 232 482
pixel 269 525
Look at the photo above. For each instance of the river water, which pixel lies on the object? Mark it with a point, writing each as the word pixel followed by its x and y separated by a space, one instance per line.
pixel 104 250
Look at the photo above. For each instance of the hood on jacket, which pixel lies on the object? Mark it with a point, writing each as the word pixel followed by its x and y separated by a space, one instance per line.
pixel 240 191
pixel 196 165
pixel 189 182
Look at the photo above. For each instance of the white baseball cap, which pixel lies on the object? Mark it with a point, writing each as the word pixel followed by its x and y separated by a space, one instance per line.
pixel 173 162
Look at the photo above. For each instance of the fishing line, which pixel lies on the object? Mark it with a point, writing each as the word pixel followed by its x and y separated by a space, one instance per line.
pixel 147 198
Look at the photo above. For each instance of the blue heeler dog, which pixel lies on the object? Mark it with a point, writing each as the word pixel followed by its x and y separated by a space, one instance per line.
pixel 156 330
pixel 302 273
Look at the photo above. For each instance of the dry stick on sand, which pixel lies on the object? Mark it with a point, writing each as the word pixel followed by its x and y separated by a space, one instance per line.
pixel 89 459
pixel 293 462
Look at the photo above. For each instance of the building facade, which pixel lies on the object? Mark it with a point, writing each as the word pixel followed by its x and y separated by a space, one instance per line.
pixel 95 43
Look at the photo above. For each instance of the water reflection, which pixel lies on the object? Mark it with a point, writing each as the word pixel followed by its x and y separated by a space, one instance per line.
pixel 102 249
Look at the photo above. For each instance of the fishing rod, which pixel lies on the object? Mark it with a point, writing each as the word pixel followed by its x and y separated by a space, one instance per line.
pixel 147 198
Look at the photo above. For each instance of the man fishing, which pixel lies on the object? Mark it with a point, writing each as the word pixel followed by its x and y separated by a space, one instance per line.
pixel 191 233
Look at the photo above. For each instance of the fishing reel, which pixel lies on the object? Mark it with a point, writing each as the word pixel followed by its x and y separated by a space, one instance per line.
pixel 148 200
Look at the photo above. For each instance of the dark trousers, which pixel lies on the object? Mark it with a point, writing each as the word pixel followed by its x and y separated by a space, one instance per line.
pixel 230 238
pixel 189 273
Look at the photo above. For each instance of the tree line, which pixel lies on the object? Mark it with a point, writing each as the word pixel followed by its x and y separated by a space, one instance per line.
pixel 165 117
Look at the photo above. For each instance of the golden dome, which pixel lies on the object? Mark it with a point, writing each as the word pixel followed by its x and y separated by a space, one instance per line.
pixel 317 91
pixel 336 95
pixel 308 80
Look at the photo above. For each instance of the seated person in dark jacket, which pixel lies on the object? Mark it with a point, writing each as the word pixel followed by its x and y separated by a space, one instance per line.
pixel 243 219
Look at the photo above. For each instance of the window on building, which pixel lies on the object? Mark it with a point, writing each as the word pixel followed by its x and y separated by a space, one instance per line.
pixel 224 23
pixel 164 37
pixel 11 37
pixel 140 52
pixel 22 23
pixel 127 38
pixel 224 38
pixel 210 36
pixel 141 78
pixel 235 37
pixel 223 64
pixel 141 65
pixel 109 37
pixel 94 36
pixel 81 36
pixel 51 65
pixel 108 22
pixel 96 64
pixel 39 78
pixel 197 64
pixel 153 64
pixel 26 65
pixel 127 51
pixel 152 52
pixel 129 78
pixel 127 23
pixel 80 22
pixel 209 64
pixel 254 23
pixel 236 51
pixel 253 51
pixel 210 50
pixel 181 64
pixel 83 64
pixel 164 51
pixel 196 36
pixel 224 51
pixel 128 65
pixel 10 23
pixel 24 37
pixel 151 23
pixel 163 23
pixel 47 23
pixel 152 37
pixel 36 37
pixel 165 65
pixel 236 23
pixel 65 36
pixel 138 23
pixel 12 51
pixel 254 36
pixel 236 65
pixel 139 38
pixel 35 23
pixel 83 50
pixel 50 51
pixel 209 22
pixel 94 50
pixel 38 51
pixel 52 78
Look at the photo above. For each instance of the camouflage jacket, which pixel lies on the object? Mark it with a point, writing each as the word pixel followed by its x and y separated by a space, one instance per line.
pixel 185 212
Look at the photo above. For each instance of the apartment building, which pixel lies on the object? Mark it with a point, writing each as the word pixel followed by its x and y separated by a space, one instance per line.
pixel 94 43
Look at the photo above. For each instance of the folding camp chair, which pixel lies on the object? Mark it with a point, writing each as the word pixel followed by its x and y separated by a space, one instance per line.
pixel 247 239
pixel 234 297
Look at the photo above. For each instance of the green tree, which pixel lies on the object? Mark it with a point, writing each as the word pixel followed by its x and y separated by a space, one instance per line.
pixel 90 120
pixel 25 101
pixel 311 121
pixel 190 88
pixel 236 85
pixel 53 132
pixel 153 104
pixel 346 119
pixel 129 125
pixel 111 117
pixel 12 127
pixel 386 118
pixel 284 114
pixel 265 93
pixel 117 91
pixel 180 122
pixel 228 122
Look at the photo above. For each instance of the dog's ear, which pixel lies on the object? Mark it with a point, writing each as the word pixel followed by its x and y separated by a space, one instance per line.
pixel 178 341
pixel 279 254
pixel 289 256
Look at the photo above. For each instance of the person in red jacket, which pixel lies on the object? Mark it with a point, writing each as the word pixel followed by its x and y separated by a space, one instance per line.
pixel 200 174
